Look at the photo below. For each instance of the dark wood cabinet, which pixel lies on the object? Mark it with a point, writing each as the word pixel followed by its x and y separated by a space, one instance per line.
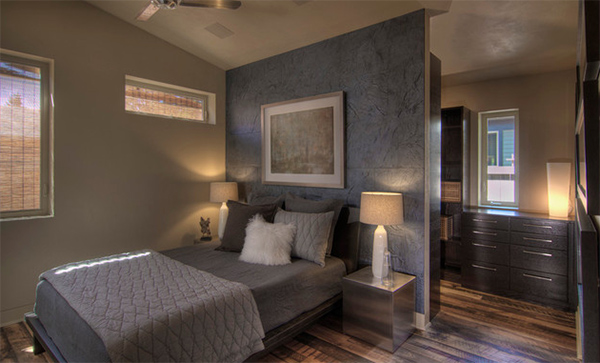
pixel 455 181
pixel 521 255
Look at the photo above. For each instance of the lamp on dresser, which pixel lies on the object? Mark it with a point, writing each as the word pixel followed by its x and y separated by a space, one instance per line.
pixel 559 183
pixel 221 192
pixel 380 209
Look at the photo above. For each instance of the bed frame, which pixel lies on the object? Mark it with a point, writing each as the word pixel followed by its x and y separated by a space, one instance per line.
pixel 345 247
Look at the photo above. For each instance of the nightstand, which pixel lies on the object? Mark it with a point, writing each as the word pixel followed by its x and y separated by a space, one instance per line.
pixel 382 316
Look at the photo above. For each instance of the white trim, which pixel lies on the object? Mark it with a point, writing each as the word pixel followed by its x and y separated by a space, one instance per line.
pixel 47 176
pixel 421 322
pixel 15 315
pixel 482 157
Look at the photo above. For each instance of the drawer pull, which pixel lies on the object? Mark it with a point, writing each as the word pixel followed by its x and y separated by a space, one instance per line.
pixel 537 277
pixel 486 233
pixel 536 226
pixel 537 239
pixel 484 220
pixel 538 253
pixel 484 268
pixel 480 245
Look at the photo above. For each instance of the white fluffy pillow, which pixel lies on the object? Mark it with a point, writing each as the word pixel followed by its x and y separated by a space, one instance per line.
pixel 268 243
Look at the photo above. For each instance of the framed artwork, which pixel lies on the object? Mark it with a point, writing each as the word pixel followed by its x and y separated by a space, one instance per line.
pixel 303 142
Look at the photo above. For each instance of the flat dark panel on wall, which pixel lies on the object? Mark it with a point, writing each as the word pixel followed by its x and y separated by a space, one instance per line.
pixel 435 130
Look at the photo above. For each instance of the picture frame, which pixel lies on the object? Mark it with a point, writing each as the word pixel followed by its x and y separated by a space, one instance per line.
pixel 303 142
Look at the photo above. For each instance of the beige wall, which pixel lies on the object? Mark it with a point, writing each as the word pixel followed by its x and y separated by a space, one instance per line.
pixel 122 182
pixel 546 104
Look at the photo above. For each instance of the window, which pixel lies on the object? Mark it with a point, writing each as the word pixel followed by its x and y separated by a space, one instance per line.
pixel 148 97
pixel 498 158
pixel 25 135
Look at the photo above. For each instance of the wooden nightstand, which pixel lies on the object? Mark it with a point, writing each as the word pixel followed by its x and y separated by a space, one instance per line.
pixel 382 316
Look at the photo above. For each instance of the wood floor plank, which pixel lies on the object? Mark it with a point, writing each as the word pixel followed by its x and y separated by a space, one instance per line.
pixel 8 354
pixel 538 336
pixel 333 351
pixel 350 344
pixel 21 343
pixel 458 354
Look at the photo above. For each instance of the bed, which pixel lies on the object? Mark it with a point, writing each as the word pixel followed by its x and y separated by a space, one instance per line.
pixel 315 290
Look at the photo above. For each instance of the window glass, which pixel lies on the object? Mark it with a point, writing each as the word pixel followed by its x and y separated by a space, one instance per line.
pixel 24 137
pixel 498 174
pixel 151 98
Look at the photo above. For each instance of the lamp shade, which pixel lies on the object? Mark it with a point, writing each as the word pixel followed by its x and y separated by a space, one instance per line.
pixel 381 208
pixel 559 183
pixel 223 191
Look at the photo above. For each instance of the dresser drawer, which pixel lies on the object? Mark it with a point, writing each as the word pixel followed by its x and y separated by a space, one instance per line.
pixel 485 276
pixel 539 259
pixel 541 226
pixel 484 234
pixel 485 221
pixel 537 240
pixel 486 251
pixel 542 284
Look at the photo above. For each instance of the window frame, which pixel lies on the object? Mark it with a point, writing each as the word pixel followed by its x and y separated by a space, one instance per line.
pixel 46 188
pixel 482 156
pixel 206 97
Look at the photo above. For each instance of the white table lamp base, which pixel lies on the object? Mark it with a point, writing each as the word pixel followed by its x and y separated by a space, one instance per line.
pixel 223 214
pixel 380 244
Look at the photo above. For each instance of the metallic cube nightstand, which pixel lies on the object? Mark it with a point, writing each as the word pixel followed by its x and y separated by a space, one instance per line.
pixel 377 314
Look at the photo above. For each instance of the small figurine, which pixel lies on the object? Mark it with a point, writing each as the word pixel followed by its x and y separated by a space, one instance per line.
pixel 205 229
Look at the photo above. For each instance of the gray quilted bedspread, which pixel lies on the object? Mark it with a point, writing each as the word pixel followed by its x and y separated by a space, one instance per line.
pixel 145 306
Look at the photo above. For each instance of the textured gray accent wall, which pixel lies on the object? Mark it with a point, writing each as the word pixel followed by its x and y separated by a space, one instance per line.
pixel 381 69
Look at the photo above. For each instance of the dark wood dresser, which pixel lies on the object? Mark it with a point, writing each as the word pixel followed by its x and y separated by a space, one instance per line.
pixel 522 255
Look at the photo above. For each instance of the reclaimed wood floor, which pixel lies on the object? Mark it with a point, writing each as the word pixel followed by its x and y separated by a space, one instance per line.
pixel 471 327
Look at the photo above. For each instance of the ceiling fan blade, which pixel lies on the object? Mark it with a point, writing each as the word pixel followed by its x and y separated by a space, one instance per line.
pixel 148 11
pixel 217 4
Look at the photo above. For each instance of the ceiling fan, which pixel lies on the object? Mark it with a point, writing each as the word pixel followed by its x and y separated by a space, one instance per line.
pixel 156 5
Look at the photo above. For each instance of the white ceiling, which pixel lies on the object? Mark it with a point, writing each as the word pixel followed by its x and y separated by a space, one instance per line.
pixel 475 39
pixel 479 40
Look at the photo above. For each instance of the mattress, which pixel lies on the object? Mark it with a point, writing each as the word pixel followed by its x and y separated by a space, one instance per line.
pixel 281 293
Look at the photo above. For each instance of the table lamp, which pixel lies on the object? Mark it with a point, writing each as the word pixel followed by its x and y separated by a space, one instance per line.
pixel 380 208
pixel 559 183
pixel 221 192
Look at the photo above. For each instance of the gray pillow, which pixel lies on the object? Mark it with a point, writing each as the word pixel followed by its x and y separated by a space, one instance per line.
pixel 254 199
pixel 237 221
pixel 312 230
pixel 298 204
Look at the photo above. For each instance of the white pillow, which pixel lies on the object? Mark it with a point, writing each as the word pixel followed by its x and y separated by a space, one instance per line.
pixel 268 243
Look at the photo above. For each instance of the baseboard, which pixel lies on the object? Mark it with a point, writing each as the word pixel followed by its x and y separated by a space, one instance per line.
pixel 16 315
pixel 420 322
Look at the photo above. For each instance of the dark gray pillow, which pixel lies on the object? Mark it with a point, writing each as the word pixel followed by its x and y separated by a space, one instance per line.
pixel 254 199
pixel 237 221
pixel 312 229
pixel 297 204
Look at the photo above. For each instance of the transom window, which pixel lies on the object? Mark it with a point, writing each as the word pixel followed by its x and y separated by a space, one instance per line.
pixel 498 159
pixel 25 136
pixel 153 98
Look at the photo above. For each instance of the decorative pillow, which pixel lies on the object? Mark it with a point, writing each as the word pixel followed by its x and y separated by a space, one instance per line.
pixel 297 204
pixel 254 199
pixel 268 243
pixel 312 230
pixel 239 216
